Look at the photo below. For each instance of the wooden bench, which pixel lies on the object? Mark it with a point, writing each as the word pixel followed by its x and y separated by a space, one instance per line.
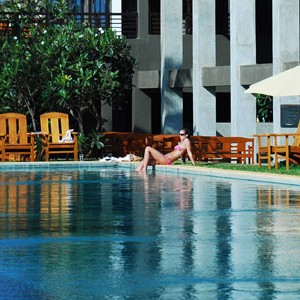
pixel 215 148
pixel 204 148
pixel 119 144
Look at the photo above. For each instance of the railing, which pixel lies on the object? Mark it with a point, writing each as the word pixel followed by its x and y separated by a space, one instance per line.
pixel 154 24
pixel 123 23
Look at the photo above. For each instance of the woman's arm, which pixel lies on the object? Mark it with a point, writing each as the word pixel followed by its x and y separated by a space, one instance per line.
pixel 189 151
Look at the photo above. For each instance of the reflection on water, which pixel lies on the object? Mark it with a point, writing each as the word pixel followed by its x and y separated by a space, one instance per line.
pixel 114 234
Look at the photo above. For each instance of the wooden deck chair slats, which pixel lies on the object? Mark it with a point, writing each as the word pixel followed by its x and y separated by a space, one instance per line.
pixel 15 140
pixel 286 150
pixel 54 126
pixel 279 145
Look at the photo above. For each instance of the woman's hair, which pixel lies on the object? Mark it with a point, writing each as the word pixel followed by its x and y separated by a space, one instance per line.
pixel 187 132
pixel 183 158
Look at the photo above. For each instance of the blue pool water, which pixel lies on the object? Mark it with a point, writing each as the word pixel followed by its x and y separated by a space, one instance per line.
pixel 109 233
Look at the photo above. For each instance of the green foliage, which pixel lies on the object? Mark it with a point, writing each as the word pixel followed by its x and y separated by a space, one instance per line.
pixel 264 107
pixel 53 63
pixel 91 144
pixel 294 169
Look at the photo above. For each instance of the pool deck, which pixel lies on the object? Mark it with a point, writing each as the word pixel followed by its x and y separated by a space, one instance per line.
pixel 179 169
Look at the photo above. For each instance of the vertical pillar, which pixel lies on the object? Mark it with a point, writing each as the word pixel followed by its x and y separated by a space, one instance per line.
pixel 143 18
pixel 106 110
pixel 242 52
pixel 285 48
pixel 204 55
pixel 141 103
pixel 171 58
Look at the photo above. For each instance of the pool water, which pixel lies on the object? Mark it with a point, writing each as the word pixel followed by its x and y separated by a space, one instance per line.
pixel 111 233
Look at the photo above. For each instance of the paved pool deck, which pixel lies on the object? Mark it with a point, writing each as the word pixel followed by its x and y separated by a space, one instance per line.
pixel 179 169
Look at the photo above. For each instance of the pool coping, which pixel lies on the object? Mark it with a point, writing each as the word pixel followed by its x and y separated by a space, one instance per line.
pixel 177 169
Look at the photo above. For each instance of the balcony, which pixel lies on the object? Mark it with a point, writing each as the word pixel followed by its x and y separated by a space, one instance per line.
pixel 154 24
pixel 123 23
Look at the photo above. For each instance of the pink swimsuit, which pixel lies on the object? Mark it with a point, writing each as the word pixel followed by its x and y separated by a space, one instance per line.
pixel 178 147
pixel 169 161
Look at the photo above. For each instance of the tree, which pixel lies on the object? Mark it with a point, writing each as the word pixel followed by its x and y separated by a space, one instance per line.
pixel 88 67
pixel 51 62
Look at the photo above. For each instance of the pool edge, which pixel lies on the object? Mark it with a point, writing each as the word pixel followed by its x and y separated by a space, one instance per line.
pixel 179 169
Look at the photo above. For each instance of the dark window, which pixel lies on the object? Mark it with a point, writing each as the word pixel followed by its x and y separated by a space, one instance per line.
pixel 95 6
pixel 154 16
pixel 187 17
pixel 264 31
pixel 222 18
pixel 129 6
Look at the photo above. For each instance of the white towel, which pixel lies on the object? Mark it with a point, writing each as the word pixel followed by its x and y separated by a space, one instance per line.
pixel 68 137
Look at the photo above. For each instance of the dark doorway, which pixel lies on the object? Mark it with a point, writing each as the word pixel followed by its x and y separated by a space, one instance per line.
pixel 188 111
pixel 122 116
pixel 155 111
pixel 223 107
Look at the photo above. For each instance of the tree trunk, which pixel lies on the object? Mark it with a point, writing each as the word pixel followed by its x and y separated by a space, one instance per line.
pixel 79 118
pixel 32 114
pixel 97 115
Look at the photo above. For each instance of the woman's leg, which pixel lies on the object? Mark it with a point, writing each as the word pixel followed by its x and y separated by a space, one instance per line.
pixel 151 153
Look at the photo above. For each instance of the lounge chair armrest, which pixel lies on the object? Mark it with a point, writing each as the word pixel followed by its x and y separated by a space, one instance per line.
pixel 275 134
pixel 285 134
pixel 43 135
pixel 262 135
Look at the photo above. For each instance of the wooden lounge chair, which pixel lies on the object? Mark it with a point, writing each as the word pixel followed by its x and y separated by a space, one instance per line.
pixel 280 149
pixel 15 142
pixel 54 127
pixel 285 150
pixel 264 148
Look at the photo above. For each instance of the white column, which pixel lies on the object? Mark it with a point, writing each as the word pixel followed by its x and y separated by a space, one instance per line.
pixel 204 55
pixel 171 58
pixel 242 52
pixel 285 48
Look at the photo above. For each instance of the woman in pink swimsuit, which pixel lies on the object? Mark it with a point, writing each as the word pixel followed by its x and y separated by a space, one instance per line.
pixel 183 147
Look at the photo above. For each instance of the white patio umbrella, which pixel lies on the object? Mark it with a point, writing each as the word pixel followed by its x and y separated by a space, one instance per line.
pixel 286 83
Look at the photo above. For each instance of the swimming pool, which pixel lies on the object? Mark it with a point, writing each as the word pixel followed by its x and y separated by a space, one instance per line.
pixel 110 233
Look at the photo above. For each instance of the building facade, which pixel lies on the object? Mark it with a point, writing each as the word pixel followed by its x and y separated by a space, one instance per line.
pixel 195 58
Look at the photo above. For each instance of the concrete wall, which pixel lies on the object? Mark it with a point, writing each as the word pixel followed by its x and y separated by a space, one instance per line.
pixel 231 71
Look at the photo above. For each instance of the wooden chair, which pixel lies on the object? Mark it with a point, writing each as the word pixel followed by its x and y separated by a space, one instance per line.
pixel 54 126
pixel 281 150
pixel 15 142
pixel 264 148
pixel 285 150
